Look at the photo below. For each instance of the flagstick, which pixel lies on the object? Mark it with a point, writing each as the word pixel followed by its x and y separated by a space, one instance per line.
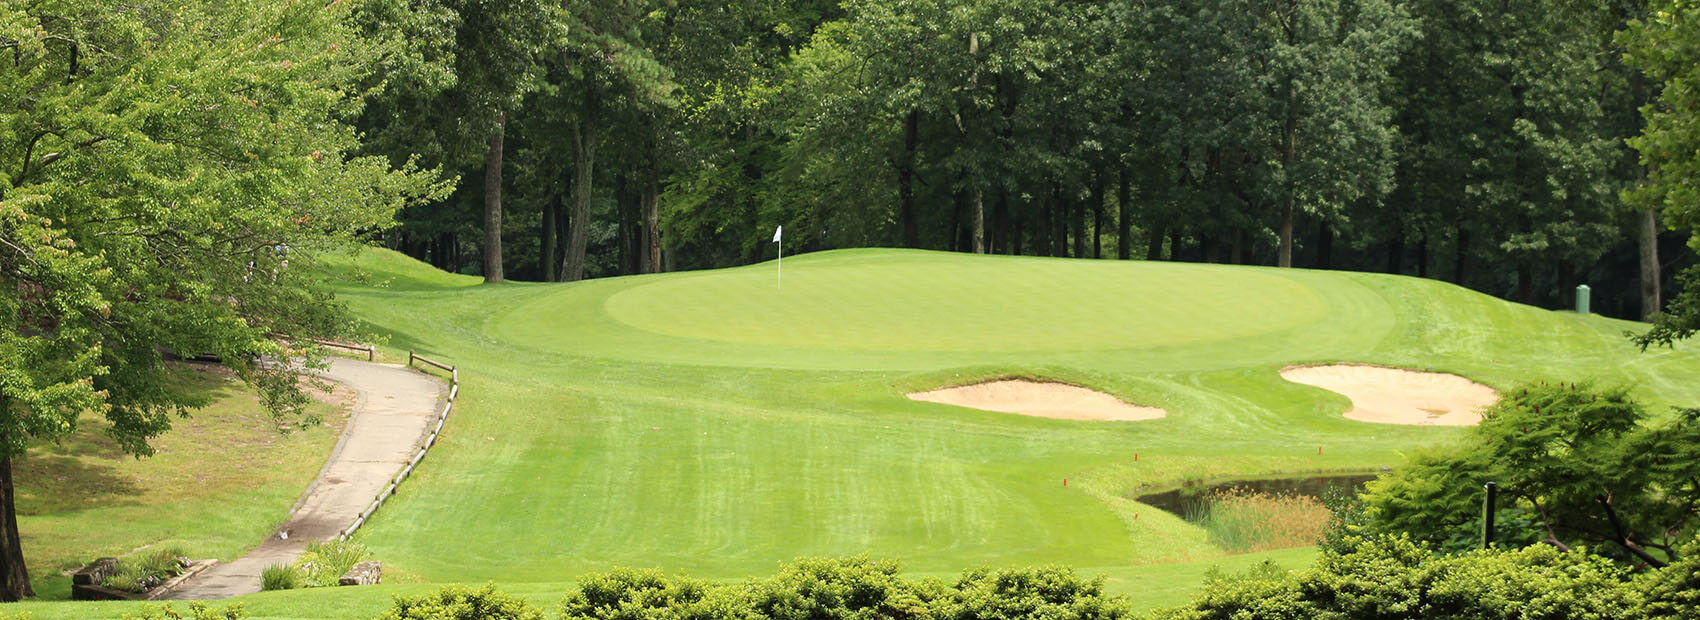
pixel 779 283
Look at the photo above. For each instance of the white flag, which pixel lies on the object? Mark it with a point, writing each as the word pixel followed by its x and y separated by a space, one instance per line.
pixel 776 232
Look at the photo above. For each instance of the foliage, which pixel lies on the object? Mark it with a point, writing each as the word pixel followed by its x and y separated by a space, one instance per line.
pixel 1394 578
pixel 461 603
pixel 1574 464
pixel 143 572
pixel 1674 591
pixel 282 576
pixel 325 562
pixel 197 611
pixel 1038 592
pixel 170 170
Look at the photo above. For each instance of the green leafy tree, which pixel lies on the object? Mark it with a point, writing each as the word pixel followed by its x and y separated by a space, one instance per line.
pixel 169 170
pixel 1575 464
pixel 1665 46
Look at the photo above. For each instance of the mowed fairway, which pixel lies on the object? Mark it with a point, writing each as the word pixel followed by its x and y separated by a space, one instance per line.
pixel 708 422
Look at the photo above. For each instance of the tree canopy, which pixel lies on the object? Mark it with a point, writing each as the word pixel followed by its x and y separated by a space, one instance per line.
pixel 168 171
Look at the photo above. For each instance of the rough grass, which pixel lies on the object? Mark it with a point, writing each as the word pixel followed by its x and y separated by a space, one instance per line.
pixel 1244 521
pixel 219 481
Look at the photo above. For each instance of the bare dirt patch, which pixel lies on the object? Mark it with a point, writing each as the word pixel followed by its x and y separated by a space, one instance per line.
pixel 1399 396
pixel 1039 398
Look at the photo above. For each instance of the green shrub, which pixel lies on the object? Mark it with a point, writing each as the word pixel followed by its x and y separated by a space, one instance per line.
pixel 325 563
pixel 1673 592
pixel 197 611
pixel 839 588
pixel 147 570
pixel 1052 592
pixel 459 603
pixel 282 577
pixel 1394 579
pixel 634 594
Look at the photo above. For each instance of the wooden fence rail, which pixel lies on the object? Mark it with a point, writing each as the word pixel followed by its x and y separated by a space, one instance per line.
pixel 430 440
pixel 370 351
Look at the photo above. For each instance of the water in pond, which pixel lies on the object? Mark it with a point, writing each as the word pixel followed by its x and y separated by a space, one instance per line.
pixel 1187 499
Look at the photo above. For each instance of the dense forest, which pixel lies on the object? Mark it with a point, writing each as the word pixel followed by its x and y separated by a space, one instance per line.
pixel 1488 143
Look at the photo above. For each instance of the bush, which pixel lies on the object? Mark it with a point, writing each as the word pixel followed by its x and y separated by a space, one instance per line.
pixel 1394 578
pixel 1673 592
pixel 282 577
pixel 325 563
pixel 839 588
pixel 146 571
pixel 1053 593
pixel 197 611
pixel 633 594
pixel 459 603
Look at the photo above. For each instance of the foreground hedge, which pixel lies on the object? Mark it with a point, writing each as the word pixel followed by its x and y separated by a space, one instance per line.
pixel 1384 579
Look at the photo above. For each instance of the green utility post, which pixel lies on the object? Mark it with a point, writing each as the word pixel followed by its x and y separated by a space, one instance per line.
pixel 1582 298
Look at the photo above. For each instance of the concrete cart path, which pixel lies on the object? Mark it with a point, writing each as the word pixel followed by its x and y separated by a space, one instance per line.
pixel 393 413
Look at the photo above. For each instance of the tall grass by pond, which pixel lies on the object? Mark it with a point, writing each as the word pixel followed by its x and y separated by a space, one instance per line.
pixel 1244 521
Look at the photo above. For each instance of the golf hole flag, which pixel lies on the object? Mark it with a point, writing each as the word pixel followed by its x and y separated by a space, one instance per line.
pixel 779 265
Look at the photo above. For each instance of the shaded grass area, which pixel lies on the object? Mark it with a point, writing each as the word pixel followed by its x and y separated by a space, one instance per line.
pixel 219 481
pixel 1148 587
pixel 707 423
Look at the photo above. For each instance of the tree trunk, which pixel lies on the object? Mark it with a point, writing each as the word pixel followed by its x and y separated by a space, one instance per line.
pixel 584 161
pixel 906 182
pixel 1460 264
pixel 979 223
pixel 1650 277
pixel 493 203
pixel 1077 208
pixel 1289 145
pixel 1324 245
pixel 651 246
pixel 1525 284
pixel 1042 228
pixel 1004 227
pixel 1209 248
pixel 1566 281
pixel 1175 244
pixel 625 224
pixel 1124 218
pixel 14 576
pixel 1422 255
pixel 1100 203
pixel 1236 253
pixel 551 211
pixel 1396 255
pixel 1154 241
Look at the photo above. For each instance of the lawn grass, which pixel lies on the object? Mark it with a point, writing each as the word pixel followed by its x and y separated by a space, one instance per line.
pixel 218 483
pixel 707 423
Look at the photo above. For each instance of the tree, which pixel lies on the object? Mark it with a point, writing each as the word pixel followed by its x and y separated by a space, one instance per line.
pixel 1665 47
pixel 168 172
pixel 451 95
pixel 1575 464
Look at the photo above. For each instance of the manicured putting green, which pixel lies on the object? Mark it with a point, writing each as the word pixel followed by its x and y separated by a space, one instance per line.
pixel 989 305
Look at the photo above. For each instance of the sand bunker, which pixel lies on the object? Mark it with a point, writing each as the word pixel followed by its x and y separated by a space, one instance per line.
pixel 1399 396
pixel 1038 398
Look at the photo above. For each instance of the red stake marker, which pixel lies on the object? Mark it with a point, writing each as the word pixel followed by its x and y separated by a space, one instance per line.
pixel 1065 482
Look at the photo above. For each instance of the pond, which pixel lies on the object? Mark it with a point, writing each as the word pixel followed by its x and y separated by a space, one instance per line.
pixel 1189 498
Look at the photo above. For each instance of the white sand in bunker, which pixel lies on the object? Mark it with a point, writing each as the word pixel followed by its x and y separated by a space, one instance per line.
pixel 1399 396
pixel 1039 398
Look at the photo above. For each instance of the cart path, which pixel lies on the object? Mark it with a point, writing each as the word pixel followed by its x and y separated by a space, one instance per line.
pixel 394 409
